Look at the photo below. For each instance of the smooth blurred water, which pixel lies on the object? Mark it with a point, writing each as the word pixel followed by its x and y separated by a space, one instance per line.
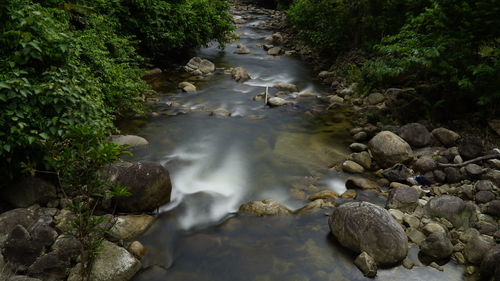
pixel 218 163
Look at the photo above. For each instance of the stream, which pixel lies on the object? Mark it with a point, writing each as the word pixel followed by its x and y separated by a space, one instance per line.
pixel 259 152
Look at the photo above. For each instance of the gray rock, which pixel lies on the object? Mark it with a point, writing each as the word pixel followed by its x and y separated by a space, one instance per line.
pixel 221 112
pixel 388 149
pixel 28 191
pixel 397 173
pixel 274 51
pixel 451 208
pixel 447 137
pixel 187 87
pixel 415 134
pixel 439 175
pixel 148 182
pixel 358 147
pixel 19 248
pixel 352 167
pixel 268 207
pixel 239 74
pixel 484 197
pixel 494 208
pixel 66 247
pixel 437 246
pixel 375 98
pixel 130 226
pixel 415 236
pixel 404 198
pixel 366 264
pixel 490 266
pixel 277 38
pixel 470 147
pixel 433 227
pixel 484 185
pixel 361 183
pixel 365 227
pixel 197 66
pixel 275 101
pixel 453 175
pixel 49 267
pixel 425 164
pixel 10 219
pixel 477 247
pixel 493 176
pixel 363 159
pixel 113 263
pixel 286 87
pixel 130 141
pixel 361 136
pixel 474 170
pixel 241 50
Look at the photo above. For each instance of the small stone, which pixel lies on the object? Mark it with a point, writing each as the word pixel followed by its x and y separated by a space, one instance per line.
pixel 375 98
pixel 403 198
pixel 352 167
pixel 366 264
pixel 425 164
pixel 275 101
pixel 408 264
pixel 137 249
pixel 286 87
pixel 459 258
pixel 471 269
pixel 493 208
pixel 239 74
pixel 349 194
pixel 187 87
pixel 436 266
pixel 336 99
pixel 484 197
pixel 433 227
pixel 324 194
pixel 437 246
pixel 415 236
pixel 241 50
pixel 363 159
pixel 474 170
pixel 361 136
pixel 411 221
pixel 397 215
pixel 220 112
pixel 130 226
pixel 358 147
pixel 268 207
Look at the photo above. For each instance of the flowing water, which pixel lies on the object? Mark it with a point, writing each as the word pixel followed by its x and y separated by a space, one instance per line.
pixel 218 163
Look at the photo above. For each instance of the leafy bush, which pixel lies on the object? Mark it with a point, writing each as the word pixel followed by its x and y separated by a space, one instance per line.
pixel 452 49
pixel 335 26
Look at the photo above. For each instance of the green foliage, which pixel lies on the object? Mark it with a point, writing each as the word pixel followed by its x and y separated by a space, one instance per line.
pixel 164 27
pixel 452 48
pixel 335 26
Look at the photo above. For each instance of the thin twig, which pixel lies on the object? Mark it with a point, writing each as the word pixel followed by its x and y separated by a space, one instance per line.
pixel 470 161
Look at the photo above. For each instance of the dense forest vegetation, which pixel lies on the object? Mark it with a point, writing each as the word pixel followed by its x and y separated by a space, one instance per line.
pixel 449 51
pixel 69 68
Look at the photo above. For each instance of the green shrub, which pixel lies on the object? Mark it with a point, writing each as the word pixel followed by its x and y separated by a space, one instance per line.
pixel 452 48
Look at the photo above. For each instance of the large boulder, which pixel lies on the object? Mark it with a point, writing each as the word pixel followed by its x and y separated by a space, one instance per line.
pixel 113 263
pixel 470 147
pixel 199 66
pixel 267 207
pixel 388 149
pixel 477 247
pixel 148 182
pixel 28 191
pixel 415 134
pixel 452 208
pixel 366 227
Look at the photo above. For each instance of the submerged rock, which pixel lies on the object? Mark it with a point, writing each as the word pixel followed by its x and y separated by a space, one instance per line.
pixel 148 182
pixel 240 74
pixel 275 101
pixel 286 87
pixel 388 149
pixel 267 207
pixel 366 227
